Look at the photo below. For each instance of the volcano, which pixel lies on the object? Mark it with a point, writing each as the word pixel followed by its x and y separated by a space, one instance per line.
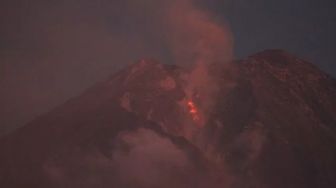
pixel 271 123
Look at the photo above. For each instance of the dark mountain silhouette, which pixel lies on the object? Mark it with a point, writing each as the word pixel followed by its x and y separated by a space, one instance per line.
pixel 271 124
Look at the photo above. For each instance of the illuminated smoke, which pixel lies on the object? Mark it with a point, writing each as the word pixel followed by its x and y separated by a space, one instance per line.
pixel 194 37
pixel 198 42
pixel 193 110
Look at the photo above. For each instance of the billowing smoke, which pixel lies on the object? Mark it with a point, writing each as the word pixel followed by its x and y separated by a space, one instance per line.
pixel 157 156
pixel 165 164
pixel 198 42
pixel 140 158
pixel 195 37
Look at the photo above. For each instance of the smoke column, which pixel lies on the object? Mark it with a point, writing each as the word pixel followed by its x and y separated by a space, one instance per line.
pixel 197 41
pixel 195 37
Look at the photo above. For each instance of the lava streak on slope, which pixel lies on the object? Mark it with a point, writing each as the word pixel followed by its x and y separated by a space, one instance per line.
pixel 193 111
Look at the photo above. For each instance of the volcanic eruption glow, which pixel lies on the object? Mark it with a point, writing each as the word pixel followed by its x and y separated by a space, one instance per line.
pixel 193 111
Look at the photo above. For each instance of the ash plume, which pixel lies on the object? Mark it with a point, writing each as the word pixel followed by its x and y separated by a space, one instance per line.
pixel 195 37
pixel 198 42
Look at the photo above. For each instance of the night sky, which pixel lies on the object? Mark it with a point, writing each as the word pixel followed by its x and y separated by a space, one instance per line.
pixel 51 50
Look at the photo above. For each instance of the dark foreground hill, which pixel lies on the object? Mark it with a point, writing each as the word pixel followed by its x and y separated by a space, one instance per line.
pixel 268 121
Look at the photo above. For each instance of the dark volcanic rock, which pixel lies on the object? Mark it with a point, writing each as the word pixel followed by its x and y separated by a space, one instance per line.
pixel 292 131
pixel 273 125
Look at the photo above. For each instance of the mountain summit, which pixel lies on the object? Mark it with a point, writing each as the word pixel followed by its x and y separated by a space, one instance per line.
pixel 268 121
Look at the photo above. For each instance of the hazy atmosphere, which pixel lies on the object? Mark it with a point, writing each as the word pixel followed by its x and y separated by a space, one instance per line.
pixel 167 94
pixel 53 50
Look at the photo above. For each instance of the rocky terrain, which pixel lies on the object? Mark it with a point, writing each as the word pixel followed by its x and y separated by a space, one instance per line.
pixel 268 121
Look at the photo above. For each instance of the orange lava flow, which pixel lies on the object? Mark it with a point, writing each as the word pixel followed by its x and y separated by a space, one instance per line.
pixel 193 110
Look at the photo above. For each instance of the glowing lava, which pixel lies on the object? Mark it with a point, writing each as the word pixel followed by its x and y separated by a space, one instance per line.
pixel 193 110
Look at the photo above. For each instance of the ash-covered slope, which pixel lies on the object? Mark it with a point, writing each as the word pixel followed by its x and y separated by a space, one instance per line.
pixel 271 123
pixel 282 122
pixel 108 137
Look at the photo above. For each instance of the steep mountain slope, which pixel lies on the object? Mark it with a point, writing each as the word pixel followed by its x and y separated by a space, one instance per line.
pixel 291 134
pixel 271 123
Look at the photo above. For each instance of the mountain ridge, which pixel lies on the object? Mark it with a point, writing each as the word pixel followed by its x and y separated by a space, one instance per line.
pixel 272 124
